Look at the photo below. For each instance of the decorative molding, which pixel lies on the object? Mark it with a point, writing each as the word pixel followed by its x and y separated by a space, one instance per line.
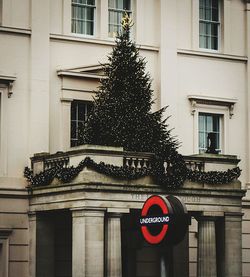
pixel 210 100
pixel 8 80
pixel 212 55
pixel 69 73
pixel 11 30
pixel 5 232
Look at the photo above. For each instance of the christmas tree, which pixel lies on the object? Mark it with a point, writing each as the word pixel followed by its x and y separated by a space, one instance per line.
pixel 122 115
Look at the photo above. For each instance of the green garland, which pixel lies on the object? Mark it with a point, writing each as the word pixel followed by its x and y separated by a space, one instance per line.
pixel 171 179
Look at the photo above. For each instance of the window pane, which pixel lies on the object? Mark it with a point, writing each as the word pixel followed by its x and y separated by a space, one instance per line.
pixel 208 13
pixel 73 129
pixel 209 123
pixel 112 17
pixel 120 4
pixel 202 28
pixel 201 123
pixel 112 4
pixel 126 5
pixel 90 14
pixel 89 28
pixel 73 112
pixel 214 43
pixel 208 29
pixel 215 4
pixel 217 143
pixel 216 124
pixel 215 15
pixel 91 2
pixel 214 29
pixel 202 13
pixel 202 140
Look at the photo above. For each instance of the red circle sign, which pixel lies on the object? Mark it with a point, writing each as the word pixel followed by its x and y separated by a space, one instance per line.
pixel 162 204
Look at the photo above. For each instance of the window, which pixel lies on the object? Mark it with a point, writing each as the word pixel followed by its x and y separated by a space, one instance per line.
pixel 117 9
pixel 83 17
pixel 79 114
pixel 209 133
pixel 209 24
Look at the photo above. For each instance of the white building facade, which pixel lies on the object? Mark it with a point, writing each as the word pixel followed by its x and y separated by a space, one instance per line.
pixel 50 54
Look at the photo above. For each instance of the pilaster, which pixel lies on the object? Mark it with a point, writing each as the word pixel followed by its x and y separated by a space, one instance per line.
pixel 233 244
pixel 114 255
pixel 32 244
pixel 65 123
pixel 39 77
pixel 206 266
pixel 87 243
pixel 248 86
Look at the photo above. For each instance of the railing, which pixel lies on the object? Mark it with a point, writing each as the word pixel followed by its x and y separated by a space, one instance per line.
pixel 116 156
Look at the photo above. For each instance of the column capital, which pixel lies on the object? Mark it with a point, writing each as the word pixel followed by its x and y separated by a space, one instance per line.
pixel 88 212
pixel 209 216
pixel 233 216
pixel 117 212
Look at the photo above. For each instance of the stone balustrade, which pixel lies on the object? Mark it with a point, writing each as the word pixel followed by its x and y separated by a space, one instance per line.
pixel 118 157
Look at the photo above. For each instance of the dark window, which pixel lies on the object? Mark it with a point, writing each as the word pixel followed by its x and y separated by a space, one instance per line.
pixel 79 113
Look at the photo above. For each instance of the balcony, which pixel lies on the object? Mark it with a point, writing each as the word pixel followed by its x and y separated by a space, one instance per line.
pixel 117 157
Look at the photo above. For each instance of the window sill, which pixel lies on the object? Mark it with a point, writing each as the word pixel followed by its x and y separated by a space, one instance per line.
pixel 93 40
pixel 212 54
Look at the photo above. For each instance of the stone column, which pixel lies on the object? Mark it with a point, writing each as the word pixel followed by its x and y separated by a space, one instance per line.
pixel 32 244
pixel 206 262
pixel 87 243
pixel 114 252
pixel 233 244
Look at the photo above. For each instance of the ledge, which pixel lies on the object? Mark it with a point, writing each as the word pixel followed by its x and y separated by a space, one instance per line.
pixel 97 41
pixel 12 30
pixel 5 232
pixel 212 55
pixel 228 159
pixel 68 73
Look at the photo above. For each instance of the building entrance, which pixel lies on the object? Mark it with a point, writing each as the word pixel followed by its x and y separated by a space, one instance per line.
pixel 140 259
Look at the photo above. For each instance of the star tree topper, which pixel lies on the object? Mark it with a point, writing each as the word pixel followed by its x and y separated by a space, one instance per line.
pixel 126 21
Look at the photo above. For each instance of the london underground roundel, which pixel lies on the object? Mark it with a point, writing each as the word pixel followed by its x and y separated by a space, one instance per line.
pixel 163 219
pixel 155 217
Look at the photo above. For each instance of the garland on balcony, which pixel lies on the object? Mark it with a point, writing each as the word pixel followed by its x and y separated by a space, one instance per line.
pixel 172 178
pixel 214 177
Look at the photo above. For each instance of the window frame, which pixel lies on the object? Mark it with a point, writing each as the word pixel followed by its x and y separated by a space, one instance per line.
pixel 88 104
pixel 221 119
pixel 94 20
pixel 217 110
pixel 219 31
pixel 129 12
